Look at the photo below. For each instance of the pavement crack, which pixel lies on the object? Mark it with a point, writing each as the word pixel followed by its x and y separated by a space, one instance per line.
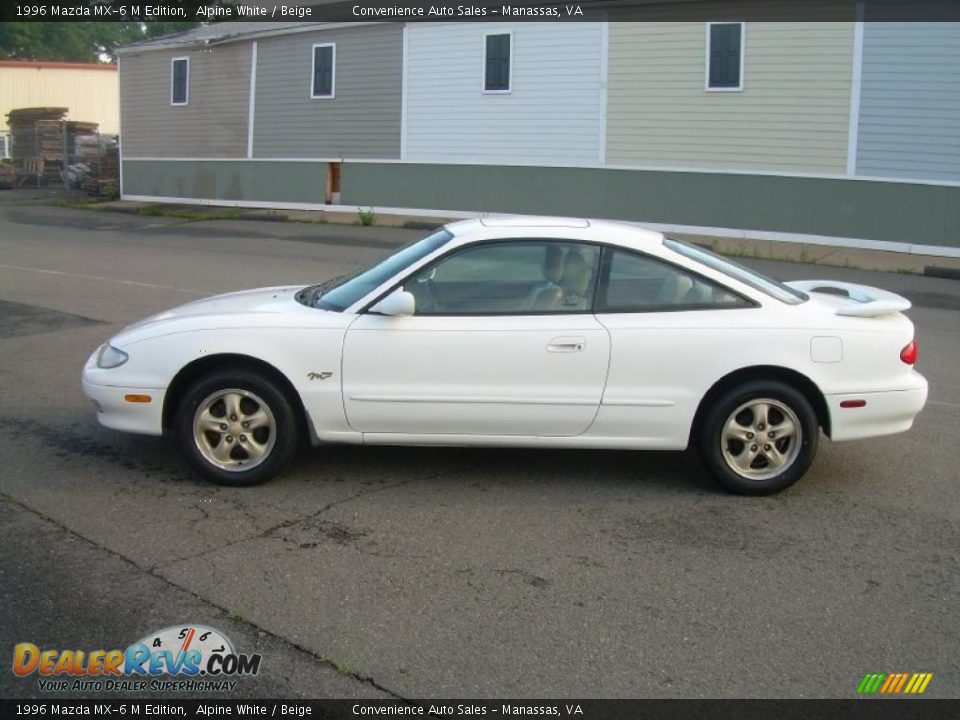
pixel 271 531
pixel 315 656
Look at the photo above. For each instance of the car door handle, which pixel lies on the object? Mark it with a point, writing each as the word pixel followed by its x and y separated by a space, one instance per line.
pixel 566 344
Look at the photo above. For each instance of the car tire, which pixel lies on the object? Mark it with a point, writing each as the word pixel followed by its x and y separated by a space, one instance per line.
pixel 236 427
pixel 759 437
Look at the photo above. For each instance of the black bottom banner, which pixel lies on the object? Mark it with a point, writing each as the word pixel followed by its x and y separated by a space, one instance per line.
pixel 892 709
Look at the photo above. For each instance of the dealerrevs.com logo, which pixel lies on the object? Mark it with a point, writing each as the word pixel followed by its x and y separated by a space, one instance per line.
pixel 187 658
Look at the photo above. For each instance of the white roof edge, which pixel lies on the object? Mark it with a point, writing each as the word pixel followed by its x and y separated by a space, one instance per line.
pixel 544 221
pixel 536 221
pixel 156 44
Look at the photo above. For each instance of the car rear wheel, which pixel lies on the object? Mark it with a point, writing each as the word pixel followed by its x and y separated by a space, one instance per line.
pixel 236 428
pixel 759 437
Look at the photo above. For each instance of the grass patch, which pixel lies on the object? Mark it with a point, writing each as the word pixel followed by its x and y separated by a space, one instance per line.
pixel 345 668
pixel 421 225
pixel 271 216
pixel 319 220
pixel 185 214
pixel 84 203
pixel 366 217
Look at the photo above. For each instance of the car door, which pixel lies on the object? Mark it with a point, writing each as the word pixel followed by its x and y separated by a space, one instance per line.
pixel 673 334
pixel 503 342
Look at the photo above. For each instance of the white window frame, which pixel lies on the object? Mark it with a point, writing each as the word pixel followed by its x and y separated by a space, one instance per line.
pixel 483 67
pixel 743 54
pixel 173 64
pixel 333 70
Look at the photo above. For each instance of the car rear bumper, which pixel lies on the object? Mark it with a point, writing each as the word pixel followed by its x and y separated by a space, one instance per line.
pixel 884 413
pixel 116 410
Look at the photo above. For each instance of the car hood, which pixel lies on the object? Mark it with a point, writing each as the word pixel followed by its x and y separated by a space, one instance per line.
pixel 248 308
pixel 261 300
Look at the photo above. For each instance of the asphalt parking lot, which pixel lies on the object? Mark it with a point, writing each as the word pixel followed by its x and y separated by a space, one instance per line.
pixel 446 572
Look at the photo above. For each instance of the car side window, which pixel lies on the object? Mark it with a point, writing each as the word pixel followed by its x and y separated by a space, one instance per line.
pixel 507 278
pixel 639 283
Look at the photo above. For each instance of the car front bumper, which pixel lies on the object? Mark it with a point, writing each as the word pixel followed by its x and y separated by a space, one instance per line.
pixel 123 407
pixel 885 413
pixel 115 411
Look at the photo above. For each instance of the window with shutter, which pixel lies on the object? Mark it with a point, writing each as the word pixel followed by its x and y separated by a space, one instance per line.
pixel 324 71
pixel 725 56
pixel 497 63
pixel 179 81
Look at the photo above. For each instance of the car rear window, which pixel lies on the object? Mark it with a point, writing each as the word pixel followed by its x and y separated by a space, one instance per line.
pixel 758 281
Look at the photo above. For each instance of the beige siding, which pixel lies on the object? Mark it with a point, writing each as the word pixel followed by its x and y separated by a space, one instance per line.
pixel 214 122
pixel 792 114
pixel 90 95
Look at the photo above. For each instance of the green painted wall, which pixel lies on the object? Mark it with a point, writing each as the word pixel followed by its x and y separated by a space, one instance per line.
pixel 293 182
pixel 900 212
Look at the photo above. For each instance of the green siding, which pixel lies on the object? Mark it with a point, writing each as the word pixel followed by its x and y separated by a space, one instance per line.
pixel 898 212
pixel 291 182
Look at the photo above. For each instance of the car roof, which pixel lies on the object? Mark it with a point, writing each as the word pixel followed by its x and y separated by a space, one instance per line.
pixel 615 233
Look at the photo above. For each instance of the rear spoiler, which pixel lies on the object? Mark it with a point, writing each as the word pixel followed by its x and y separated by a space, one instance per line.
pixel 865 301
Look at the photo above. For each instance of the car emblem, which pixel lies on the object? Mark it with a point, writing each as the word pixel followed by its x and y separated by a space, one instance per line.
pixel 319 375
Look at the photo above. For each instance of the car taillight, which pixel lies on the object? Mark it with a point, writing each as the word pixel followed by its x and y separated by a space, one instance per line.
pixel 909 353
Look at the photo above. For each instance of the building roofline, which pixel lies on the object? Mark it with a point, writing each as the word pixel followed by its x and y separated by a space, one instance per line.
pixel 57 65
pixel 188 38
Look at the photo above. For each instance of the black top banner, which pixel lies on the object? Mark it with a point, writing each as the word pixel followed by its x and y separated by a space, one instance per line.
pixel 565 709
pixel 477 10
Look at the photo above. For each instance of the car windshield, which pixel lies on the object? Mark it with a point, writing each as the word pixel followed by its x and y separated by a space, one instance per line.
pixel 340 293
pixel 756 280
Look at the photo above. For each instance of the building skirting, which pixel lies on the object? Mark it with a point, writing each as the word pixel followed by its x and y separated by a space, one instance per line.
pixel 892 216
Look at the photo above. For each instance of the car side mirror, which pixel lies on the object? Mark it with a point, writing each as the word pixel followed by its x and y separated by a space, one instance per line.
pixel 399 302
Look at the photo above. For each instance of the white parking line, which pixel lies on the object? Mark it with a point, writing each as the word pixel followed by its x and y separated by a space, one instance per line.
pixel 941 402
pixel 98 278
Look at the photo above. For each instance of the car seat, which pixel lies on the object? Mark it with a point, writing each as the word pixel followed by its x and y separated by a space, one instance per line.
pixel 547 294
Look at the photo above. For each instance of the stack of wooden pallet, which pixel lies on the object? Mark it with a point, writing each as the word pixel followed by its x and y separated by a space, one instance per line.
pixel 38 144
pixel 45 144
pixel 105 180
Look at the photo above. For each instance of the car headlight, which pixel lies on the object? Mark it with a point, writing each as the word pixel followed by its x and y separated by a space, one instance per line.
pixel 110 357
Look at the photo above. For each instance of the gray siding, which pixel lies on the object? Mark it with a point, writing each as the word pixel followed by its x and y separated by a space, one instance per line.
pixel 213 123
pixel 361 121
pixel 910 101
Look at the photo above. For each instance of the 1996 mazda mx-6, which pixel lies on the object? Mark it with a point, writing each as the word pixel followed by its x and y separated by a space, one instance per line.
pixel 513 331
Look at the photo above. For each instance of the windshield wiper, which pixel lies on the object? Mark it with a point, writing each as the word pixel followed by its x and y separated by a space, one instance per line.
pixel 312 294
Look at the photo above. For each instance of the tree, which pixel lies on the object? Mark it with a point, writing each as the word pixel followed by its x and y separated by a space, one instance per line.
pixel 78 41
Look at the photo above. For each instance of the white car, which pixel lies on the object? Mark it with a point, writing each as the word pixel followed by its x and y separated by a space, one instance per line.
pixel 513 331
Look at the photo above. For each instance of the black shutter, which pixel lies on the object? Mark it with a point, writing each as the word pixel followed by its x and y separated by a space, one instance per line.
pixel 179 82
pixel 725 42
pixel 497 75
pixel 323 71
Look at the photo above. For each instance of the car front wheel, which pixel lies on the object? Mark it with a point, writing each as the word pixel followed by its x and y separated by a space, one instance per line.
pixel 759 437
pixel 236 428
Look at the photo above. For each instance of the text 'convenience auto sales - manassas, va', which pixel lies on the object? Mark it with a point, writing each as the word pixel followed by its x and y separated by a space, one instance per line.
pixel 188 658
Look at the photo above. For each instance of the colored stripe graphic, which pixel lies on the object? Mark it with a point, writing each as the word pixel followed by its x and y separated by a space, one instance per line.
pixel 870 683
pixel 894 683
pixel 915 682
pixel 918 683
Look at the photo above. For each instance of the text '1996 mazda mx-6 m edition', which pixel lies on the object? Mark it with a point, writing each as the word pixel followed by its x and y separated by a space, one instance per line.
pixel 536 332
